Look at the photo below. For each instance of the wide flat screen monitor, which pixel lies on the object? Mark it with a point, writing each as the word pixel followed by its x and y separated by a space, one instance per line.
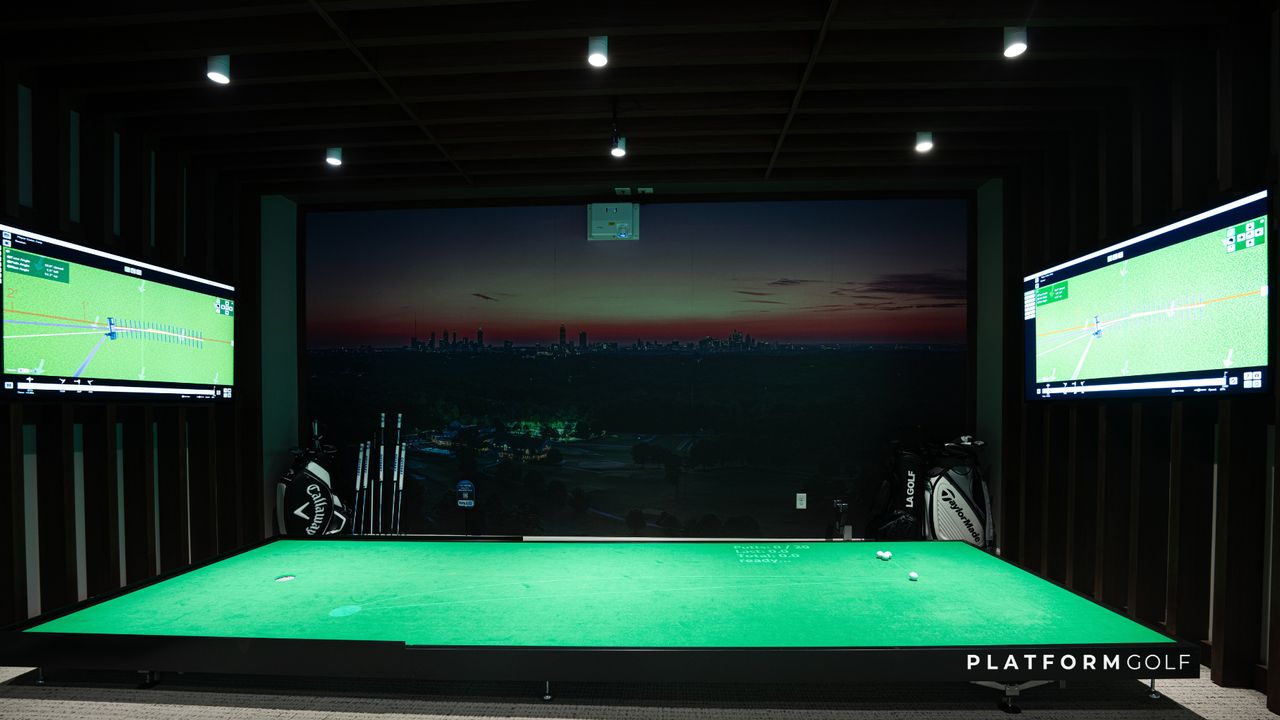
pixel 1178 311
pixel 81 322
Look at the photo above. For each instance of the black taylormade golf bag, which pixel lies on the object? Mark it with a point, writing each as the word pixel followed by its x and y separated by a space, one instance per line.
pixel 305 502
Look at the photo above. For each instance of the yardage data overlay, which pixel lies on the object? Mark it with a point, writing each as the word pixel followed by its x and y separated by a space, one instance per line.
pixel 1181 310
pixel 79 321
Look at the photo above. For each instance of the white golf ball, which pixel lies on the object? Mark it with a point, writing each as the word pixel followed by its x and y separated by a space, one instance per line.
pixel 880 554
pixel 913 575
pixel 887 554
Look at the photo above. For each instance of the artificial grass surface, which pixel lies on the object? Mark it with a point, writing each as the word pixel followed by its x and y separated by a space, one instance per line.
pixel 613 594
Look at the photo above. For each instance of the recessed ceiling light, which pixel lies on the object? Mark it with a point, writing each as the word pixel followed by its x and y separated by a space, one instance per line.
pixel 218 69
pixel 333 156
pixel 924 141
pixel 1015 41
pixel 598 50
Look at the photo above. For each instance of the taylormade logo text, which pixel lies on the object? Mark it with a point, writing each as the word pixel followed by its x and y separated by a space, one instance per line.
pixel 949 498
pixel 1029 662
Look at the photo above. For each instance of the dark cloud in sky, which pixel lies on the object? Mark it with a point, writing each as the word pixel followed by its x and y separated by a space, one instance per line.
pixel 931 285
pixel 890 305
pixel 791 282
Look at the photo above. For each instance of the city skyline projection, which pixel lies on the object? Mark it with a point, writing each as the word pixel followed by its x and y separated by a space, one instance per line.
pixel 810 272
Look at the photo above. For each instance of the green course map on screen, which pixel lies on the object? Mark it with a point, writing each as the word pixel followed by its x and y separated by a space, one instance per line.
pixel 67 320
pixel 1200 304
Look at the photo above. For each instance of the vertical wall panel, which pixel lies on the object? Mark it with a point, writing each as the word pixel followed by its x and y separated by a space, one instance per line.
pixel 1117 169
pixel 73 167
pixel 49 139
pixel 151 197
pixel 1113 562
pixel 1057 494
pixel 138 506
pixel 1153 151
pixel 31 518
pixel 1237 561
pixel 134 190
pixel 1070 494
pixel 26 147
pixel 171 488
pixel 1033 490
pixel 226 480
pixel 56 502
pixel 1084 459
pixel 1012 403
pixel 990 278
pixel 1149 511
pixel 117 180
pixel 77 471
pixel 13 558
pixel 201 469
pixel 100 521
pixel 1190 519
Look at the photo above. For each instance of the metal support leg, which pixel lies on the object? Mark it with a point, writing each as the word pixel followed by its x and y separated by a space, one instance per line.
pixel 1011 691
pixel 39 676
pixel 546 691
pixel 1154 694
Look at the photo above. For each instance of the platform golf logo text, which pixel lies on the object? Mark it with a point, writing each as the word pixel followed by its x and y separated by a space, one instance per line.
pixel 1113 662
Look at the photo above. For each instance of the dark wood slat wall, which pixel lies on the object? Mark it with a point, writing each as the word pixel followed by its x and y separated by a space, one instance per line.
pixel 1082 544
pixel 13 557
pixel 101 528
pixel 1238 547
pixel 179 465
pixel 1149 511
pixel 171 492
pixel 1142 478
pixel 55 496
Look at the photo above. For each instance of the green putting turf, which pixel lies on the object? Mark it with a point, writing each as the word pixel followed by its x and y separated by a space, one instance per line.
pixel 613 594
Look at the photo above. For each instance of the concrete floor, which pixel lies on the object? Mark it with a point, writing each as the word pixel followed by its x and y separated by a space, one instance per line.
pixel 233 698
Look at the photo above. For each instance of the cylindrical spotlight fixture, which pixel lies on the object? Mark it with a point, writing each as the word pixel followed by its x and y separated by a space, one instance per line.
pixel 333 156
pixel 598 50
pixel 1015 41
pixel 218 69
pixel 619 148
pixel 924 141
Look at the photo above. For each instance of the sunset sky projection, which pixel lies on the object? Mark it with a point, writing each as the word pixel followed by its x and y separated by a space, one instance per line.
pixel 795 272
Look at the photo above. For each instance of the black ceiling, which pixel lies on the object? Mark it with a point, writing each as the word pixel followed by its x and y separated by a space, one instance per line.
pixel 481 99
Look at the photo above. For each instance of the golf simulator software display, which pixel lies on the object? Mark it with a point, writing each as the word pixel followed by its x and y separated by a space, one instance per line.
pixel 1181 310
pixel 80 321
